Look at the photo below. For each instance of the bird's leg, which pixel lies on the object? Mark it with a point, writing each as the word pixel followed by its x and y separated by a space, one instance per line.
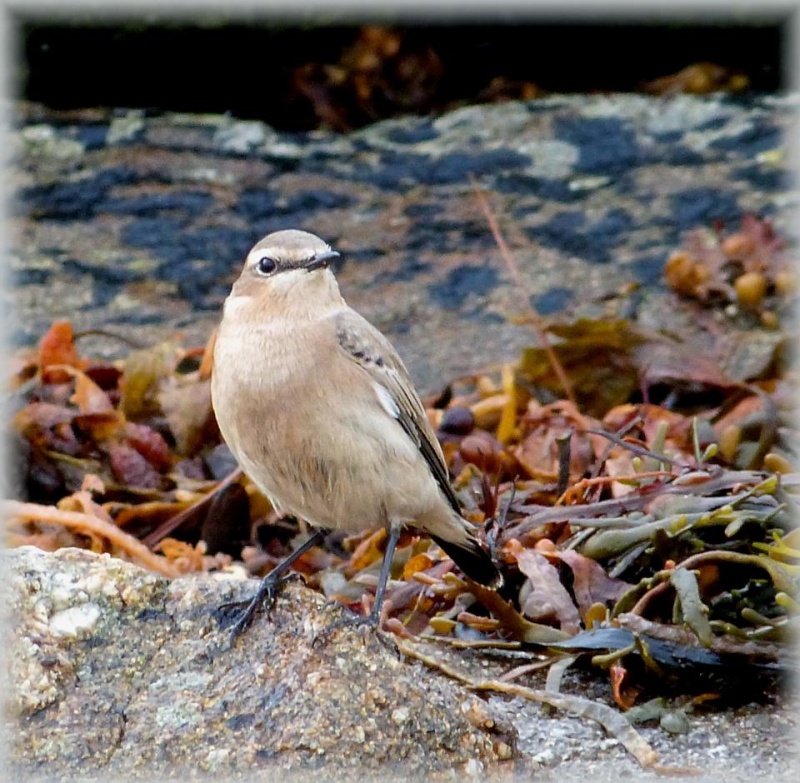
pixel 268 588
pixel 373 619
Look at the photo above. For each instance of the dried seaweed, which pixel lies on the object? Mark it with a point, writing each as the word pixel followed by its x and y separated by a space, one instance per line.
pixel 637 538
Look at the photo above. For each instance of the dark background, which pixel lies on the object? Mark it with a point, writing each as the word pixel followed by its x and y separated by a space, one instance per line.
pixel 252 71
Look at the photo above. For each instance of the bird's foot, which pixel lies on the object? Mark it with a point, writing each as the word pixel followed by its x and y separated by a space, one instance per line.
pixel 237 615
pixel 368 625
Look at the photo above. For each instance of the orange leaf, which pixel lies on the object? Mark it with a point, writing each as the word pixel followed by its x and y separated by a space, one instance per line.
pixel 208 357
pixel 624 696
pixel 57 347
pixel 418 562
pixel 368 551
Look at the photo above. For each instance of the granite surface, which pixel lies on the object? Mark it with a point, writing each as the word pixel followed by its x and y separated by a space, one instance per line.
pixel 139 223
pixel 115 673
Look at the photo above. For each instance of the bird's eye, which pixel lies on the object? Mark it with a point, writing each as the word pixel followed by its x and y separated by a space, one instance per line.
pixel 266 265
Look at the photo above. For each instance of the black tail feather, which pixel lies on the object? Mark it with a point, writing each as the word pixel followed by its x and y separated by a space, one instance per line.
pixel 474 561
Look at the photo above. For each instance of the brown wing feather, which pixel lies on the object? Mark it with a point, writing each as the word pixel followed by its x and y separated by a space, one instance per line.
pixel 365 345
pixel 370 349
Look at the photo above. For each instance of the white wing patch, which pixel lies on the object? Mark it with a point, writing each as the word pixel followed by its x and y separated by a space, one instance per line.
pixel 387 401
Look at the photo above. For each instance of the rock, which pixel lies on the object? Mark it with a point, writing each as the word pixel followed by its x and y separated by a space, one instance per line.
pixel 127 221
pixel 115 671
pixel 241 137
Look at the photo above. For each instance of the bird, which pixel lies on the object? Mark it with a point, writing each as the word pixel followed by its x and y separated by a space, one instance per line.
pixel 320 412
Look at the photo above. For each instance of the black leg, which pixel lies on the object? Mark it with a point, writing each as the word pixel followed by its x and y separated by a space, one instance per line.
pixel 270 583
pixel 383 577
pixel 373 619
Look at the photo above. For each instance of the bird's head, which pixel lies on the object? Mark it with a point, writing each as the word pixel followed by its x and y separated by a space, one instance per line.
pixel 287 271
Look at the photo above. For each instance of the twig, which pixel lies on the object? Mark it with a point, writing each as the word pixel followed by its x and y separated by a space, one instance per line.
pixel 621 433
pixel 714 481
pixel 163 530
pixel 641 450
pixel 87 523
pixel 123 338
pixel 632 478
pixel 564 453
pixel 525 668
pixel 472 644
pixel 615 724
pixel 513 270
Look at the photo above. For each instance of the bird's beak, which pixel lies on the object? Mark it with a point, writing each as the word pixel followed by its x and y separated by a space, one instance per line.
pixel 321 260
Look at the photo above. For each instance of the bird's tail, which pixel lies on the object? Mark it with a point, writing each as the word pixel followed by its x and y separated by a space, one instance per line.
pixel 471 557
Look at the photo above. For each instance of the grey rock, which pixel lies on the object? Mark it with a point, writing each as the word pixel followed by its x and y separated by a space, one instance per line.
pixel 116 672
pixel 125 128
pixel 241 136
pixel 143 225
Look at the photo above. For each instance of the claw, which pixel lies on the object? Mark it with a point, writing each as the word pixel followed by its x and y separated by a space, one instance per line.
pixel 364 624
pixel 262 600
pixel 270 584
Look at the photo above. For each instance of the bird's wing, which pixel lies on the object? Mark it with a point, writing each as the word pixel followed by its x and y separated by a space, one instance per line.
pixel 366 346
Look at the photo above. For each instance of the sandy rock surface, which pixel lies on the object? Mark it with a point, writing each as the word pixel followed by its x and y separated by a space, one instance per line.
pixel 118 673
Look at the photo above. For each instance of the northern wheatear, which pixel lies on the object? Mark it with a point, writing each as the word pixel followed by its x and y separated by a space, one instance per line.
pixel 320 412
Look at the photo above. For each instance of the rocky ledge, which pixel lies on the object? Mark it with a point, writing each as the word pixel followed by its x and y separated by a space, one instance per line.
pixel 117 672
pixel 114 672
pixel 138 223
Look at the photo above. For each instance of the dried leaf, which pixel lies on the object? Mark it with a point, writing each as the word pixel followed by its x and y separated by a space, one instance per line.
pixel 89 397
pixel 698 79
pixel 226 527
pixel 150 444
pixel 187 406
pixel 541 429
pixel 415 564
pixel 598 358
pixel 145 372
pixel 670 361
pixel 591 584
pixel 369 551
pixel 546 598
pixel 100 427
pixel 37 420
pixel 131 468
pixel 57 347
pixel 204 371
